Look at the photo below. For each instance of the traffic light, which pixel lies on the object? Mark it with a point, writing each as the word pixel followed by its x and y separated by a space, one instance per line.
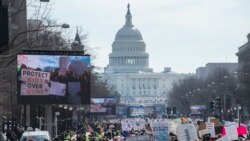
pixel 168 110
pixel 212 105
pixel 218 103
pixel 174 110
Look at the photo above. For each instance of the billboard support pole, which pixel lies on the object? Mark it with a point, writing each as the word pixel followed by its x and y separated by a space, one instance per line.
pixel 40 123
pixel 27 114
pixel 56 125
pixel 11 99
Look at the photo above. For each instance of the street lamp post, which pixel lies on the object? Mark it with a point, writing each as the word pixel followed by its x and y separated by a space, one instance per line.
pixel 56 123
pixel 70 116
pixel 44 0
pixel 238 113
pixel 224 99
pixel 11 105
pixel 66 117
pixel 64 25
pixel 60 118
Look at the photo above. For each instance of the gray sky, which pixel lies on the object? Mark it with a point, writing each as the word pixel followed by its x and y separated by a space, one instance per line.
pixel 181 34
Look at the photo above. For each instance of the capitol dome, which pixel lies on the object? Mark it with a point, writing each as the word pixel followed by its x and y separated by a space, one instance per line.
pixel 128 33
pixel 128 50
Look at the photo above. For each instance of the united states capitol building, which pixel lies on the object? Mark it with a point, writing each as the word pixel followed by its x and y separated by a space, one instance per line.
pixel 129 73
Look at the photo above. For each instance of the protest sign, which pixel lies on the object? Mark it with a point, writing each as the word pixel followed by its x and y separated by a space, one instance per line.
pixel 231 132
pixel 210 129
pixel 224 138
pixel 160 131
pixel 34 82
pixel 242 130
pixel 58 89
pixel 229 123
pixel 142 123
pixel 126 125
pixel 187 132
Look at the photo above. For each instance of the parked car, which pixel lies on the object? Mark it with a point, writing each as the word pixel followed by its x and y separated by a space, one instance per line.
pixel 36 136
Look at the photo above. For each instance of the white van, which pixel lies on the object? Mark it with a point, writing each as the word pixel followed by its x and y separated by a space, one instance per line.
pixel 36 136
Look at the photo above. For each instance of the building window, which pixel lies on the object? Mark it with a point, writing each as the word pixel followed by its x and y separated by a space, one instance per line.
pixel 149 83
pixel 133 83
pixel 155 83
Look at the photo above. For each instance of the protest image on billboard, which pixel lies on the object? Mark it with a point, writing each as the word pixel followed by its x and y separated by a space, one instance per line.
pixel 105 106
pixel 53 79
pixel 140 110
pixel 160 108
pixel 198 109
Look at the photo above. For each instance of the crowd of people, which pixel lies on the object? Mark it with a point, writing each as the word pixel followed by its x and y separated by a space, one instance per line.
pixel 11 134
pixel 93 132
pixel 114 130
pixel 117 130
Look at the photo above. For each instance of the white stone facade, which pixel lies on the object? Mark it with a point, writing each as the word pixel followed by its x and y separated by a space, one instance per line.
pixel 129 73
pixel 142 88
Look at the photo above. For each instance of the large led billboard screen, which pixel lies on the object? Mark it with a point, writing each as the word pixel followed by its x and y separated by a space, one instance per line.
pixel 105 106
pixel 198 109
pixel 141 110
pixel 53 79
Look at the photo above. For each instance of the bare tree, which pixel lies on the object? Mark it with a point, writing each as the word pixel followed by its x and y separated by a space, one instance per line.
pixel 43 33
pixel 181 95
pixel 192 91
pixel 39 35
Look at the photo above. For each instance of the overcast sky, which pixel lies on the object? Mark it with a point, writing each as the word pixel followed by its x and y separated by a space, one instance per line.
pixel 181 34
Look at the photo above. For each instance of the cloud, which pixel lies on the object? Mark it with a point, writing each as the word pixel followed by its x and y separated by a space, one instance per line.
pixel 42 61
